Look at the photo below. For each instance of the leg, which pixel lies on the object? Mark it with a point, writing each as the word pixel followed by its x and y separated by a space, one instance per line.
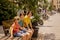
pixel 31 33
pixel 27 35
pixel 23 35
pixel 11 32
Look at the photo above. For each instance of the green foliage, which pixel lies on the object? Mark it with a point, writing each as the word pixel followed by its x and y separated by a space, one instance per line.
pixel 50 8
pixel 29 5
pixel 44 4
pixel 7 10
pixel 36 18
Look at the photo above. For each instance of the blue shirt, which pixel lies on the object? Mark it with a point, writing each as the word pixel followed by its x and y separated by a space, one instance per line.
pixel 21 23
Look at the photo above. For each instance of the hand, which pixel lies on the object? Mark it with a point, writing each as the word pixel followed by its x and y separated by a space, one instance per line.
pixel 21 28
pixel 32 29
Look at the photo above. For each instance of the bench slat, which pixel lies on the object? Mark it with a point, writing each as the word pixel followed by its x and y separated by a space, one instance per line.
pixel 5 37
pixel 2 37
pixel 16 38
pixel 8 39
pixel 19 38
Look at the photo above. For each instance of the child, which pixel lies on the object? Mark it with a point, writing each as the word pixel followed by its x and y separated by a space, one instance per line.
pixel 15 30
pixel 21 23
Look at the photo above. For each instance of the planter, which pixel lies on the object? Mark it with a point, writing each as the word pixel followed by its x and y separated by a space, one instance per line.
pixel 35 34
pixel 35 23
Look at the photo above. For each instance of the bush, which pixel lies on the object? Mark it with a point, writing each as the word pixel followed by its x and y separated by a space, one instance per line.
pixel 7 10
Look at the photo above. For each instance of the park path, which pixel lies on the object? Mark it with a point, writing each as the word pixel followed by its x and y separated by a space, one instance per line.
pixel 52 25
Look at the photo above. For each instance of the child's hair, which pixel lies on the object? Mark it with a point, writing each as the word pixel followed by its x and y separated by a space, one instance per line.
pixel 14 20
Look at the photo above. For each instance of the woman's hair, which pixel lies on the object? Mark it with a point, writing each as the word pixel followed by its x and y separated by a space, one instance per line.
pixel 24 12
pixel 29 12
pixel 20 14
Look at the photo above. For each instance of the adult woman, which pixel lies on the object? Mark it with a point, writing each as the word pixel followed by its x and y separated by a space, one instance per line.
pixel 28 24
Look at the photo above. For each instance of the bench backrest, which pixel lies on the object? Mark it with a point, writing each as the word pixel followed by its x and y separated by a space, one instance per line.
pixel 7 23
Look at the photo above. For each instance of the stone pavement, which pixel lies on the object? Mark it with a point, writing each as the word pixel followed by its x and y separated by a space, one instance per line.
pixel 3 37
pixel 52 26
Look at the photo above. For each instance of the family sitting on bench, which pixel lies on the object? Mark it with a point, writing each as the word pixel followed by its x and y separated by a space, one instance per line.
pixel 22 27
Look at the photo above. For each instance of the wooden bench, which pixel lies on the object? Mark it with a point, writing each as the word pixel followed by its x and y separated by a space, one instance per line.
pixel 6 25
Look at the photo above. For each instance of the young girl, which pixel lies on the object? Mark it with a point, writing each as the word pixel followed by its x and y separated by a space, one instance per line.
pixel 15 30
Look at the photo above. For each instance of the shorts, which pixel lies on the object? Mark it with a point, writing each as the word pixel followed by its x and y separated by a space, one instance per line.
pixel 19 34
pixel 24 30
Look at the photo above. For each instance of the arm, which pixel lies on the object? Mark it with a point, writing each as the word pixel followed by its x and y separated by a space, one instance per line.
pixel 11 32
pixel 27 26
pixel 31 25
